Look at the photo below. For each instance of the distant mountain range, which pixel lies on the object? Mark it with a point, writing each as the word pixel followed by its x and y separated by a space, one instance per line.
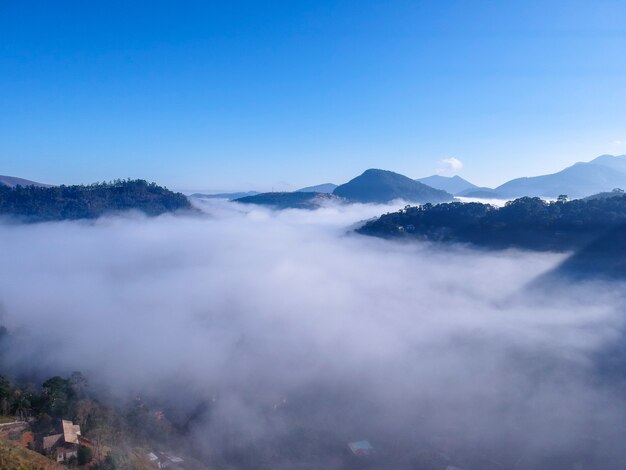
pixel 597 179
pixel 582 179
pixel 12 181
pixel 452 184
pixel 229 196
pixel 382 186
pixel 320 188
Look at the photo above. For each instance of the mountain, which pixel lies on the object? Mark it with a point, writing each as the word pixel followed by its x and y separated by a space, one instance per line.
pixel 481 193
pixel 381 186
pixel 12 181
pixel 294 200
pixel 229 196
pixel 617 163
pixel 37 204
pixel 320 188
pixel 452 184
pixel 579 180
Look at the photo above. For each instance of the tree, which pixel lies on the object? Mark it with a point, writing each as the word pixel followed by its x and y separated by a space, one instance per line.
pixel 57 396
pixel 84 455
pixel 562 198
pixel 79 384
pixel 21 404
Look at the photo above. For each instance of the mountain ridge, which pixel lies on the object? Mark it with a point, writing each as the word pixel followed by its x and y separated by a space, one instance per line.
pixel 383 186
pixel 12 181
pixel 452 184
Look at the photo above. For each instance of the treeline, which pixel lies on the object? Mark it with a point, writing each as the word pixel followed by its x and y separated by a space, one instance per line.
pixel 528 222
pixel 38 204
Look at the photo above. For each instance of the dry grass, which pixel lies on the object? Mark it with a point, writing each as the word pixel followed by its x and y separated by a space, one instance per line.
pixel 14 457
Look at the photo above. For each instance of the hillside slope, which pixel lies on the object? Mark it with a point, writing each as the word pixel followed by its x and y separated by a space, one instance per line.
pixel 14 457
pixel 295 200
pixel 319 188
pixel 579 180
pixel 603 258
pixel 33 204
pixel 381 186
pixel 12 181
pixel 528 223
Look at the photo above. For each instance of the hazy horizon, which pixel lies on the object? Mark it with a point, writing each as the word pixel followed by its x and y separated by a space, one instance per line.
pixel 444 169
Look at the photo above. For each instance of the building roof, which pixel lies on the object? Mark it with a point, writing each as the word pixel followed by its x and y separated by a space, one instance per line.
pixel 50 441
pixel 70 432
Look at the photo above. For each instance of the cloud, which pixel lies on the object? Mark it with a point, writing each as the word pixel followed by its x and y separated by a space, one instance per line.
pixel 302 336
pixel 449 166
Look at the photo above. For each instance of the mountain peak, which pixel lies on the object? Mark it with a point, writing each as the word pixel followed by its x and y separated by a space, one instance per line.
pixel 381 186
pixel 452 184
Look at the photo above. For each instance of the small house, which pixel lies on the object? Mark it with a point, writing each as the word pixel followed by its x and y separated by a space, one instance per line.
pixel 64 445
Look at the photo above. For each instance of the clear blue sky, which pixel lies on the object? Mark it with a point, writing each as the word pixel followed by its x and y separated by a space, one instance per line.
pixel 259 94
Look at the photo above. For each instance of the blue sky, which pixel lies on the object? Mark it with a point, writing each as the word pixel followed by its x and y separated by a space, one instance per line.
pixel 242 94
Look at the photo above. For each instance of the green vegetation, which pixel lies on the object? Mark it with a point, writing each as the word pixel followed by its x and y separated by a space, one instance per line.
pixel 528 223
pixel 116 432
pixel 39 204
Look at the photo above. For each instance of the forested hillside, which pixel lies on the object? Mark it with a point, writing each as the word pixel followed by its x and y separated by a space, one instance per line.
pixel 38 204
pixel 529 223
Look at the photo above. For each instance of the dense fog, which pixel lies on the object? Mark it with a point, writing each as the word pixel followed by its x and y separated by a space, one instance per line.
pixel 287 336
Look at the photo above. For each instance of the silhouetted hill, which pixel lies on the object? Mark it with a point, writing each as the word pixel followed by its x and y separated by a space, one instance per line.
pixel 528 223
pixel 37 204
pixel 320 188
pixel 294 200
pixel 615 193
pixel 229 196
pixel 579 180
pixel 13 181
pixel 381 186
pixel 452 184
pixel 481 193
pixel 603 258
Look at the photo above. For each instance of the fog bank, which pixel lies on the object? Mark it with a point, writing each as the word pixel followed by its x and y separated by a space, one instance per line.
pixel 285 323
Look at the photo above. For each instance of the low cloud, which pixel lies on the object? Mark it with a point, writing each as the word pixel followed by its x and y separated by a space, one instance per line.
pixel 449 166
pixel 289 325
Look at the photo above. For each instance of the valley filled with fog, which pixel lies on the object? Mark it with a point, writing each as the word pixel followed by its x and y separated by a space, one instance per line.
pixel 283 335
